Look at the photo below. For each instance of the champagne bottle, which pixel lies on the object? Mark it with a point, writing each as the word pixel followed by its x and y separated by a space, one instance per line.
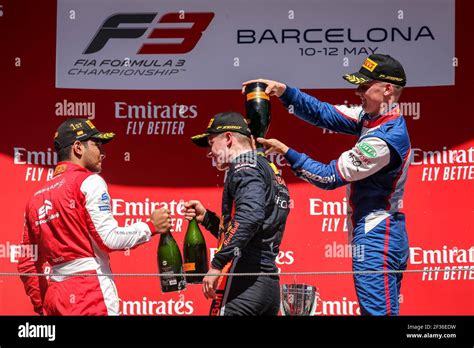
pixel 170 263
pixel 195 253
pixel 257 106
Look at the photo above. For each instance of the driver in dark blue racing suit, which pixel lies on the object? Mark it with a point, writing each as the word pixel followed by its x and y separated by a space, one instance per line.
pixel 255 206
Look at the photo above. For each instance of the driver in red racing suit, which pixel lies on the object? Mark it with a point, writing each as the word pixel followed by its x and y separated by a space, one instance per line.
pixel 71 222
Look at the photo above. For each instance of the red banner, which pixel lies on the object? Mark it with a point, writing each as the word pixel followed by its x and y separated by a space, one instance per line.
pixel 152 163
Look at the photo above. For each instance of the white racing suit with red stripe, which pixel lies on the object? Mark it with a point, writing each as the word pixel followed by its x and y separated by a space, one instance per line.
pixel 375 172
pixel 255 206
pixel 71 222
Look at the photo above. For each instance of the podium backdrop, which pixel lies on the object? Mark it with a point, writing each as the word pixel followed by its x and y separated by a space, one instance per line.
pixel 181 63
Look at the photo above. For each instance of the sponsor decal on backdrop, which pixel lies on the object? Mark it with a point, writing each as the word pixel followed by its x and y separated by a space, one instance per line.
pixel 444 164
pixel 140 211
pixel 278 159
pixel 343 306
pixel 146 306
pixel 35 161
pixel 152 45
pixel 333 214
pixel 456 261
pixel 122 46
pixel 155 119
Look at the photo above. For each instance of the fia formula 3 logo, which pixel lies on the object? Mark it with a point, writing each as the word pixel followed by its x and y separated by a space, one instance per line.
pixel 189 35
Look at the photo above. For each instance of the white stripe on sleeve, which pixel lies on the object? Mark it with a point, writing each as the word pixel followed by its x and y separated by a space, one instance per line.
pixel 367 157
pixel 98 206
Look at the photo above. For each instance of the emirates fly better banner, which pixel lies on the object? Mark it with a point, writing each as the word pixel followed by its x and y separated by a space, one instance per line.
pixel 148 44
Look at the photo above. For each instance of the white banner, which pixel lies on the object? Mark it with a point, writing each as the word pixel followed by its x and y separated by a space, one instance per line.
pixel 205 44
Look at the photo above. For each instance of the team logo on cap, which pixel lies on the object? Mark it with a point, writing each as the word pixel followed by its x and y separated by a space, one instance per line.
pixel 89 123
pixel 369 64
pixel 75 126
pixel 393 78
pixel 210 123
pixel 105 136
pixel 354 79
pixel 229 127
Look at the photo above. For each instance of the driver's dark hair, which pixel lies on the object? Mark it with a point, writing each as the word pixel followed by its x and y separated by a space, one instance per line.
pixel 65 153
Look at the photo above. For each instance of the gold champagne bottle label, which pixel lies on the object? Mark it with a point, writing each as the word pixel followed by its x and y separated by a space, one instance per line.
pixel 257 94
pixel 189 267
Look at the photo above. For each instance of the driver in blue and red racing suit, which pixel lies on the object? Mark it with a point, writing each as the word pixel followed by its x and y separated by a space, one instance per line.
pixel 374 170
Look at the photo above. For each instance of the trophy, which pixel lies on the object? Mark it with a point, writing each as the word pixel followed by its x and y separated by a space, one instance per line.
pixel 257 107
pixel 298 299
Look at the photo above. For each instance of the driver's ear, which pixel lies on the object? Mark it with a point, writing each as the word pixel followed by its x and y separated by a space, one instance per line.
pixel 78 148
pixel 229 139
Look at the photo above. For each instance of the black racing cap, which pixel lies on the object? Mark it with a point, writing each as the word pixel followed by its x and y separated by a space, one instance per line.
pixel 78 129
pixel 224 122
pixel 380 67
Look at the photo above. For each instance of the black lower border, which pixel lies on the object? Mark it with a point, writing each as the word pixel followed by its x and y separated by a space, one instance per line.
pixel 243 331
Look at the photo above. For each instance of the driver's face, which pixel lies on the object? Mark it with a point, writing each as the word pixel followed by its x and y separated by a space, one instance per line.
pixel 371 95
pixel 93 155
pixel 219 150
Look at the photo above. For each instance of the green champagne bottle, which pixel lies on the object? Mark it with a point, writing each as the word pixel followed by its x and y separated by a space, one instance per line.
pixel 195 253
pixel 170 263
